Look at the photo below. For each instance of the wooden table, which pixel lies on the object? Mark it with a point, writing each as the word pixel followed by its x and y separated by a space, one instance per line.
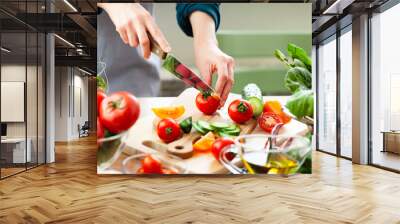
pixel 391 141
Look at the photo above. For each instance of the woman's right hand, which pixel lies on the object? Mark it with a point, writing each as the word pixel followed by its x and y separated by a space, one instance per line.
pixel 133 23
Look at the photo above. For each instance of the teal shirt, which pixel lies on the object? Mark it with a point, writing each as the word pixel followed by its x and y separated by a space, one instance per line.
pixel 183 11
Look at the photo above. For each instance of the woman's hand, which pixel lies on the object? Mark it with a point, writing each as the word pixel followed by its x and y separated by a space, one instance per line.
pixel 208 57
pixel 133 23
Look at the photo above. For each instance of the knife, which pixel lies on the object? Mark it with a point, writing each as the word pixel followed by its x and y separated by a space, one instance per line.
pixel 178 69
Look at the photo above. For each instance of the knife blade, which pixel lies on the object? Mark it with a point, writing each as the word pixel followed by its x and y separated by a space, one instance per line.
pixel 179 70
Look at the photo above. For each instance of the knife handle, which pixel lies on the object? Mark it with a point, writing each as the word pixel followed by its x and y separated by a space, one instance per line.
pixel 155 48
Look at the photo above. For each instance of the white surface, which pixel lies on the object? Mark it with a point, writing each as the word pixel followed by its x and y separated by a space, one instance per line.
pixel 12 101
pixel 19 149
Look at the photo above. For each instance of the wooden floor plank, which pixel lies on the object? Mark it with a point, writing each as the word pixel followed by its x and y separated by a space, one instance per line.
pixel 70 191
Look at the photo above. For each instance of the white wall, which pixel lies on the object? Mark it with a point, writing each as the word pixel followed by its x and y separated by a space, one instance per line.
pixel 70 83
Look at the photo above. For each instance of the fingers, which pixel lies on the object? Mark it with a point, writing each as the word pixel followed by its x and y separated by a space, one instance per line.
pixel 221 82
pixel 225 79
pixel 132 36
pixel 144 41
pixel 158 36
pixel 124 36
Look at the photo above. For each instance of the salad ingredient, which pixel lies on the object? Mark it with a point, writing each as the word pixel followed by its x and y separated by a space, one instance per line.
pixel 186 125
pixel 198 128
pixel 173 112
pixel 119 111
pixel 267 121
pixel 101 83
pixel 207 103
pixel 275 107
pixel 168 171
pixel 100 97
pixel 205 142
pixel 220 128
pixel 205 125
pixel 219 144
pixel 168 130
pixel 240 111
pixel 151 165
pixel 298 80
pixel 301 104
pixel 252 93
pixel 100 129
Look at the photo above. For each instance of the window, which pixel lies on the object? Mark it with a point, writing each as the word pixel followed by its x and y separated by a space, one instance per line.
pixel 346 92
pixel 385 89
pixel 327 96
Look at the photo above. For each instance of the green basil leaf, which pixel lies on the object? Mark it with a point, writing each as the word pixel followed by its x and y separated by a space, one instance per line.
pixel 298 78
pixel 101 83
pixel 299 53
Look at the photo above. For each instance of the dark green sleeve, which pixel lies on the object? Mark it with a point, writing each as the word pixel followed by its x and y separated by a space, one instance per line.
pixel 183 11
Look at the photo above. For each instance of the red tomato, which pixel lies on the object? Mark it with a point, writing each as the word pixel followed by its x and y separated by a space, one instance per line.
pixel 151 165
pixel 100 97
pixel 268 121
pixel 119 111
pixel 100 129
pixel 168 130
pixel 207 104
pixel 240 111
pixel 219 144
pixel 168 171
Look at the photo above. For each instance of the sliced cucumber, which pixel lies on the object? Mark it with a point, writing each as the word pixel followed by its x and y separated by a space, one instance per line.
pixel 231 127
pixel 233 132
pixel 252 93
pixel 198 128
pixel 222 134
pixel 220 125
pixel 257 106
pixel 205 125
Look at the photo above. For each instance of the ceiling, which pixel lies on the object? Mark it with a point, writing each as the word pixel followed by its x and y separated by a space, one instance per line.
pixel 74 22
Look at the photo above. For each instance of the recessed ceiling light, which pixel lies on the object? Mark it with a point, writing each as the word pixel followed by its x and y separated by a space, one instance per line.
pixel 64 40
pixel 5 50
pixel 70 5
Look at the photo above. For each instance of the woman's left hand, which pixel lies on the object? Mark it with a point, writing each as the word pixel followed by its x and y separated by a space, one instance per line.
pixel 211 60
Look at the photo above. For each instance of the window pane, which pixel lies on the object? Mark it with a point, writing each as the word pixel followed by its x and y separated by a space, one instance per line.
pixel 346 94
pixel 386 89
pixel 327 96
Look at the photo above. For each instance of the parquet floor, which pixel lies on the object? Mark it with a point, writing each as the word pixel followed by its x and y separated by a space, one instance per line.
pixel 69 191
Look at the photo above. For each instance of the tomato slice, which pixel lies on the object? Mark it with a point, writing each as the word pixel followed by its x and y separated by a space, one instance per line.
pixel 275 107
pixel 267 121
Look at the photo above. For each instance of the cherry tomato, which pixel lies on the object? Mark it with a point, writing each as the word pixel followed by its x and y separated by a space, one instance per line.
pixel 100 129
pixel 240 111
pixel 151 165
pixel 119 111
pixel 207 103
pixel 100 97
pixel 219 144
pixel 168 130
pixel 168 171
pixel 267 121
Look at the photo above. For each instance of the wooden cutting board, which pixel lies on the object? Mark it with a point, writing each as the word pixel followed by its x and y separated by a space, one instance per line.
pixel 143 137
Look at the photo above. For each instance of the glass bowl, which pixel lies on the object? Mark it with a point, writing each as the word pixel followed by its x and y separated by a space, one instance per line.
pixel 266 154
pixel 109 149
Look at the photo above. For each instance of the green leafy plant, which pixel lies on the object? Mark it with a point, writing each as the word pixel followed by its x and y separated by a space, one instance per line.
pixel 298 80
pixel 101 83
